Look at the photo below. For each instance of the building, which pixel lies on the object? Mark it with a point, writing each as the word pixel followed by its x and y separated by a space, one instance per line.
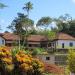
pixel 58 59
pixel 63 41
pixel 2 40
pixel 8 39
pixel 35 41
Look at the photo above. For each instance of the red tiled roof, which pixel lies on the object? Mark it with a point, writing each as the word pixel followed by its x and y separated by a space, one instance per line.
pixel 63 36
pixel 59 36
pixel 9 36
pixel 37 38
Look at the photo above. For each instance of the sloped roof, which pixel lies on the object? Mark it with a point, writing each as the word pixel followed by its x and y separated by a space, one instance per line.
pixel 59 36
pixel 9 36
pixel 64 36
pixel 37 38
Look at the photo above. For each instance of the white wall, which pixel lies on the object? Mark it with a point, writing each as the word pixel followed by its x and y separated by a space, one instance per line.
pixel 66 44
pixel 61 58
pixel 43 58
pixel 1 43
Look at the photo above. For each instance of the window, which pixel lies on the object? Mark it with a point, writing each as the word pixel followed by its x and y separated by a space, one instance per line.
pixel 47 58
pixel 60 60
pixel 71 44
pixel 30 45
pixel 49 45
pixel 2 41
pixel 62 45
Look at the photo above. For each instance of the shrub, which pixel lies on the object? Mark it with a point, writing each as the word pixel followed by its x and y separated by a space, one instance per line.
pixel 19 63
pixel 71 60
pixel 6 61
pixel 28 65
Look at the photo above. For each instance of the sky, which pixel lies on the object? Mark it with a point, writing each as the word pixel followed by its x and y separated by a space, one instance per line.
pixel 41 8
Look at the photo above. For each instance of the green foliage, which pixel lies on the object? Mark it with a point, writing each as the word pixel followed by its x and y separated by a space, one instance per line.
pixel 50 34
pixel 38 51
pixel 19 63
pixel 28 7
pixel 67 71
pixel 65 24
pixel 71 61
pixel 20 24
pixel 44 21
pixel 72 27
pixel 34 52
pixel 2 6
pixel 15 51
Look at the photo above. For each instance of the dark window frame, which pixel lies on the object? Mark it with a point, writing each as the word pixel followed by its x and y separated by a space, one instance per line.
pixel 2 41
pixel 71 44
pixel 63 45
pixel 47 58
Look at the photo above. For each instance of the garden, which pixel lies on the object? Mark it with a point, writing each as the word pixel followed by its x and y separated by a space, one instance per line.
pixel 20 62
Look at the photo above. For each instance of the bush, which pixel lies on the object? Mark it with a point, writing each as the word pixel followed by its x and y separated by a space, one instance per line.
pixel 71 60
pixel 19 63
pixel 6 61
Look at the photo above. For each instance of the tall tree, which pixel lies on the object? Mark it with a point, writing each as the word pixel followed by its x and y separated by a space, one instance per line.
pixel 72 28
pixel 63 23
pixel 44 21
pixel 28 6
pixel 21 25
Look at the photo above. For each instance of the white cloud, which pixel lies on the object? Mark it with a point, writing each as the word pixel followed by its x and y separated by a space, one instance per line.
pixel 73 1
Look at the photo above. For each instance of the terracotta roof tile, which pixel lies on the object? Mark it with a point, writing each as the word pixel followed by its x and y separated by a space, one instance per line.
pixel 37 38
pixel 63 36
pixel 9 36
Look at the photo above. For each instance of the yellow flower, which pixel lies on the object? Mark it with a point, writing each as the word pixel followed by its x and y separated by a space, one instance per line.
pixel 3 54
pixel 24 67
pixel 7 60
pixel 9 68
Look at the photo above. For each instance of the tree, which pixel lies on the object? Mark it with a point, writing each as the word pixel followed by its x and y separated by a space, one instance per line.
pixel 21 25
pixel 72 28
pixel 71 61
pixel 44 21
pixel 16 25
pixel 2 5
pixel 65 24
pixel 28 7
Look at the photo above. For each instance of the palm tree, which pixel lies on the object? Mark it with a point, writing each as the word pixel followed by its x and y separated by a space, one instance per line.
pixel 27 8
